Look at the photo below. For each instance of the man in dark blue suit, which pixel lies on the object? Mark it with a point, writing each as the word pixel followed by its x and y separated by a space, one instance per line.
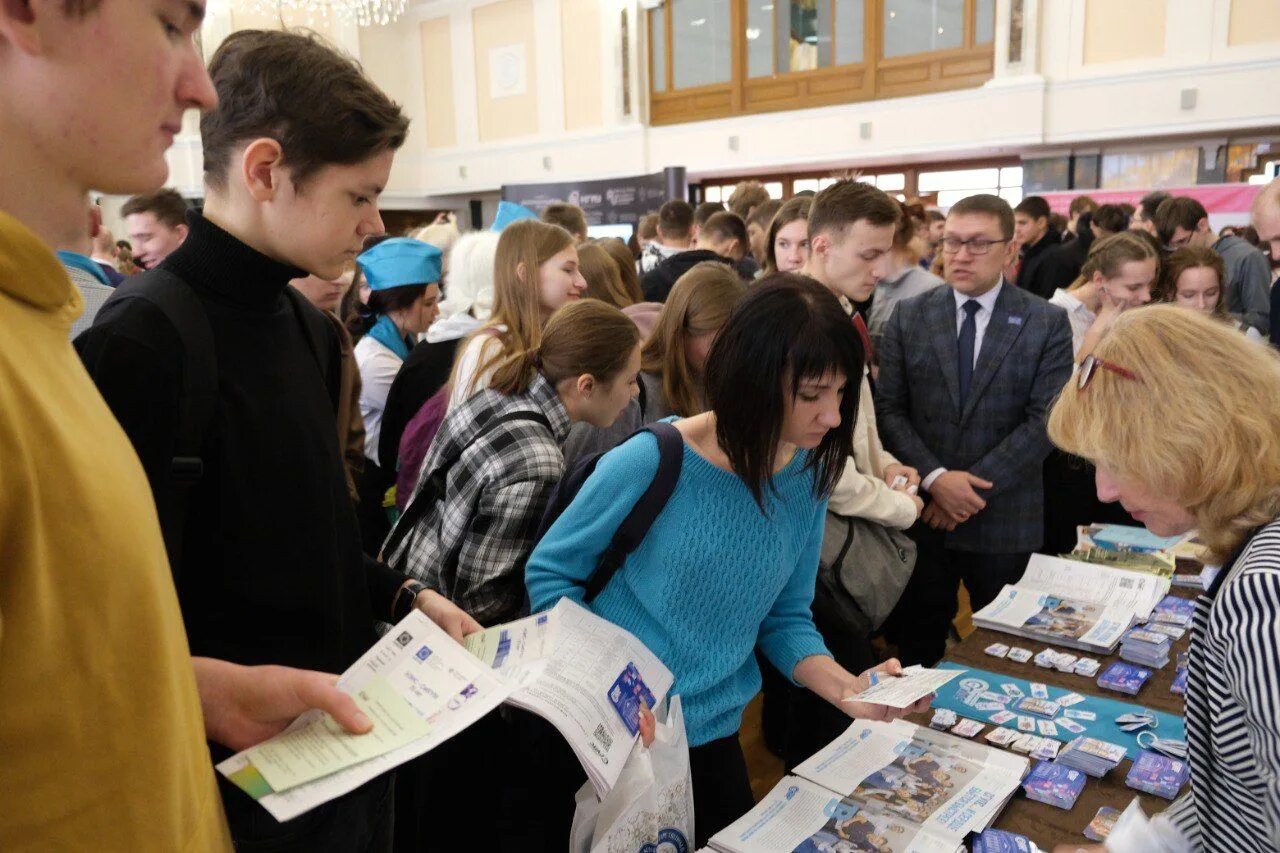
pixel 967 375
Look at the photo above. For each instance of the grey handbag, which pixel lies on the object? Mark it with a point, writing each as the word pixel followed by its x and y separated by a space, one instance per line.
pixel 863 569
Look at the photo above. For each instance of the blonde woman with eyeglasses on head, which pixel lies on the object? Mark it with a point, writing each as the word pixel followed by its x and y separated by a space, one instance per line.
pixel 1181 415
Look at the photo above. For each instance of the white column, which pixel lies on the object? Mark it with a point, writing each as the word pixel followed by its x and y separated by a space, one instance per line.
pixel 549 64
pixel 463 46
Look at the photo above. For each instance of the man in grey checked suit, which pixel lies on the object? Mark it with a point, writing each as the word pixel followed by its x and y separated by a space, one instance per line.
pixel 967 375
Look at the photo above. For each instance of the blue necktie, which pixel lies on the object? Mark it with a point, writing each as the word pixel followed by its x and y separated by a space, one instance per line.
pixel 968 338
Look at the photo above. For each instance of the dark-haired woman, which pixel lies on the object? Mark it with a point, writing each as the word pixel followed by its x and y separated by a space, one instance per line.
pixel 403 276
pixel 731 562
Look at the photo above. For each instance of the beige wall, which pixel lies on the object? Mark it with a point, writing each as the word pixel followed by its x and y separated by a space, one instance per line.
pixel 498 25
pixel 1254 21
pixel 1129 29
pixel 437 83
pixel 581 47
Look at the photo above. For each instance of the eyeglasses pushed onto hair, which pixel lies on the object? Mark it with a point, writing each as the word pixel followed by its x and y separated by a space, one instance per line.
pixel 1089 369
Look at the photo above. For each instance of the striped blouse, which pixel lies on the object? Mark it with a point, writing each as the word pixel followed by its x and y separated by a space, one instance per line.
pixel 1233 710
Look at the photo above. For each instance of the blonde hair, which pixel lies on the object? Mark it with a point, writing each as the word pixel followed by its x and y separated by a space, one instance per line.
pixel 604 280
pixel 1198 425
pixel 1108 255
pixel 517 304
pixel 587 337
pixel 700 302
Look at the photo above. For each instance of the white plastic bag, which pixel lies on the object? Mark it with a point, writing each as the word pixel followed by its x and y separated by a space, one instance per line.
pixel 650 810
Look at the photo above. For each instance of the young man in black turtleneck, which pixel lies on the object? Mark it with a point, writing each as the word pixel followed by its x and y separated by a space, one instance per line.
pixel 264 545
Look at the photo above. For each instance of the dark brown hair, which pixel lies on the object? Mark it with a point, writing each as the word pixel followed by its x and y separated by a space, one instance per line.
pixel 586 337
pixel 675 219
pixel 1034 206
pixel 168 206
pixel 847 201
pixel 788 329
pixel 315 102
pixel 568 216
pixel 1178 212
pixel 796 207
pixel 1080 204
pixel 727 226
pixel 1189 258
pixel 990 205
pixel 705 211
pixel 1110 217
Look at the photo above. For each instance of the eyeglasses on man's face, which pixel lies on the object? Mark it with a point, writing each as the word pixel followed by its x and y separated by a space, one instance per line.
pixel 976 245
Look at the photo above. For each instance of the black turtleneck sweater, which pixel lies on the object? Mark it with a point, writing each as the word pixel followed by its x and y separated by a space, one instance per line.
pixel 270 569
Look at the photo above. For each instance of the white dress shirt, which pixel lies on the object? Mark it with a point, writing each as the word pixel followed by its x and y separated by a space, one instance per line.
pixel 982 319
pixel 1080 317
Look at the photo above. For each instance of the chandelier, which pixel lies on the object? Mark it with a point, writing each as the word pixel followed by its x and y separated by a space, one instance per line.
pixel 364 13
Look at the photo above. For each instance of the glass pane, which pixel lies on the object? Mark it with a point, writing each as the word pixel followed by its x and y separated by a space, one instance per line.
pixel 946 198
pixel 984 25
pixel 803 40
pixel 700 43
pixel 659 41
pixel 711 194
pixel 774 189
pixel 892 182
pixel 823 183
pixel 867 179
pixel 848 31
pixel 759 38
pixel 1013 195
pixel 1011 176
pixel 802 184
pixel 920 26
pixel 960 179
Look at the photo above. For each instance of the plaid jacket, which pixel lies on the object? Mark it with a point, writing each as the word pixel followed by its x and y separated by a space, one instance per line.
pixel 471 545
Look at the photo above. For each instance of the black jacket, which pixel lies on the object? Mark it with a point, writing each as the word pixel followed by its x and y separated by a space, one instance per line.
pixel 1060 265
pixel 423 373
pixel 1030 276
pixel 657 282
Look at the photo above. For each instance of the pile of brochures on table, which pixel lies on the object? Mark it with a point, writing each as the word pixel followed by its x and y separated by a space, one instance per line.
pixel 890 787
pixel 1158 774
pixel 1092 756
pixel 1054 784
pixel 1081 605
pixel 585 676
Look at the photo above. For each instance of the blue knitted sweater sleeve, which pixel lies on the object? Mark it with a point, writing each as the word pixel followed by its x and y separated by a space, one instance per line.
pixel 788 635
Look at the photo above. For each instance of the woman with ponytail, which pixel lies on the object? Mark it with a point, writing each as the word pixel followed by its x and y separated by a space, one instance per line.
pixel 1118 274
pixel 492 466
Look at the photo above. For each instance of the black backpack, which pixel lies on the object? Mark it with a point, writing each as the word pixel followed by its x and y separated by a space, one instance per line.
pixel 184 310
pixel 635 526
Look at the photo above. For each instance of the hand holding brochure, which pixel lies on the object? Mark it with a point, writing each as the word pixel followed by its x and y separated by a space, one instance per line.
pixel 418 686
pixel 904 690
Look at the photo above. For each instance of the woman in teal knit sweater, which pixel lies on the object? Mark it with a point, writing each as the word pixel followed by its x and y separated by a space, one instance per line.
pixel 731 562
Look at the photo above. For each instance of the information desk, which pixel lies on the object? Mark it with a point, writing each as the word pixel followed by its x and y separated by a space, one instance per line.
pixel 1046 825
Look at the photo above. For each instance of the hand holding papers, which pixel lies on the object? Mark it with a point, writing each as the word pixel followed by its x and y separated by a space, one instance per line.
pixel 903 691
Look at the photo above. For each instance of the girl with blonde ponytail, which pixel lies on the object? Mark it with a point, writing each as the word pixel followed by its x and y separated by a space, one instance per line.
pixel 469 525
pixel 1118 274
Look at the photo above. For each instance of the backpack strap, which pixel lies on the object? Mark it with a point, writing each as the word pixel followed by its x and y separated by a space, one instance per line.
pixel 635 526
pixel 434 487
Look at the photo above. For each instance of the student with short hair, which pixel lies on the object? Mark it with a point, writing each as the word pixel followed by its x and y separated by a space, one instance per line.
pixel 787 243
pixel 1035 233
pixel 746 197
pixel 570 217
pixel 535 272
pixel 673 359
pixel 723 239
pixel 1194 278
pixel 675 234
pixel 731 562
pixel 758 228
pixel 936 222
pixel 156 223
pixel 1078 205
pixel 263 538
pixel 1143 216
pixel 647 230
pixel 1183 221
pixel 704 211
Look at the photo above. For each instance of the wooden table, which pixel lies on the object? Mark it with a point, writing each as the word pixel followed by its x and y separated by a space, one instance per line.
pixel 1046 825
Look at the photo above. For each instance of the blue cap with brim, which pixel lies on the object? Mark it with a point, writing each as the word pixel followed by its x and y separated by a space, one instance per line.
pixel 399 262
pixel 508 212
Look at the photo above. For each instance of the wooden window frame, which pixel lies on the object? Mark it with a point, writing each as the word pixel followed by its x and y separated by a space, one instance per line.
pixel 875 77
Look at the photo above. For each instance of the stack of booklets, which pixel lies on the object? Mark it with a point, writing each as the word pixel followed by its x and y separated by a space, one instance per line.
pixel 1081 605
pixel 890 787
pixel 1054 784
pixel 1139 540
pixel 1149 648
pixel 1172 610
pixel 1158 774
pixel 1093 756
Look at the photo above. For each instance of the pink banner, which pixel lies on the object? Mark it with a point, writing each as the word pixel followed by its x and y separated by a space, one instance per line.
pixel 1216 198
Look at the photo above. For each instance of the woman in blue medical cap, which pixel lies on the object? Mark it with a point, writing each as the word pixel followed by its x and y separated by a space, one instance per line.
pixel 403 276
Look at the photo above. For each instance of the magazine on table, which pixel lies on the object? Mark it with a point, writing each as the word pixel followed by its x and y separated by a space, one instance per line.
pixel 584 675
pixel 1081 605
pixel 885 787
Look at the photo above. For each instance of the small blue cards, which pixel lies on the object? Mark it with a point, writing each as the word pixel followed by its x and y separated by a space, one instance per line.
pixel 1158 774
pixel 1054 784
pixel 1000 841
pixel 626 694
pixel 1124 678
pixel 1175 611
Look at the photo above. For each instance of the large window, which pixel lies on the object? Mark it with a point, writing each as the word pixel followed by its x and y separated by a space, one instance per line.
pixel 712 58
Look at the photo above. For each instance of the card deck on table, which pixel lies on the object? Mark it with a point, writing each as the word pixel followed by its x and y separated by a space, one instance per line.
pixel 1158 774
pixel 1026 724
pixel 1088 667
pixel 1092 756
pixel 1000 841
pixel 989 706
pixel 1046 749
pixel 1076 714
pixel 1024 743
pixel 1175 611
pixel 1001 736
pixel 1042 707
pixel 1054 784
pixel 943 719
pixel 1019 655
pixel 1047 728
pixel 1124 678
pixel 967 728
pixel 626 694
pixel 1173 632
pixel 1070 725
pixel 1102 824
pixel 1002 716
pixel 1013 691
pixel 1065 663
pixel 997 650
pixel 1039 690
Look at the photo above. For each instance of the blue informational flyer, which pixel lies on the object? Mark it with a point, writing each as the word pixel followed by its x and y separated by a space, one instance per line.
pixel 1120 537
pixel 626 694
pixel 1000 841
pixel 1158 774
pixel 1054 784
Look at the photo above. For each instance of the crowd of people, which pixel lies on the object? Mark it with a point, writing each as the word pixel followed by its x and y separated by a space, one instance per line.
pixel 221 477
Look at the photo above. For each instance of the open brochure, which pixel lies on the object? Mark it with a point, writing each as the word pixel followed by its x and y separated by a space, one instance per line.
pixel 584 675
pixel 1081 605
pixel 418 686
pixel 884 787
